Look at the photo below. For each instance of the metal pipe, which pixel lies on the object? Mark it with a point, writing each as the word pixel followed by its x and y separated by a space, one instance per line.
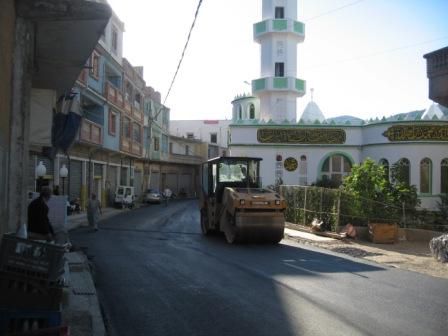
pixel 69 171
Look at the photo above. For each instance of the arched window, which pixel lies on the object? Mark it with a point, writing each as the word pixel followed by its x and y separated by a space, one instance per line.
pixel 240 112
pixel 403 171
pixel 303 171
pixel 251 111
pixel 385 164
pixel 425 176
pixel 336 167
pixel 444 176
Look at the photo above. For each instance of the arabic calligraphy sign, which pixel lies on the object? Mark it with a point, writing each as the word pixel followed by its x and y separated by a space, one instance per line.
pixel 301 135
pixel 417 132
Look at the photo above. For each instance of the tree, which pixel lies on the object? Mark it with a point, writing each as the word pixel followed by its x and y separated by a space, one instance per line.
pixel 368 180
pixel 374 195
pixel 326 182
pixel 370 191
pixel 402 191
pixel 443 206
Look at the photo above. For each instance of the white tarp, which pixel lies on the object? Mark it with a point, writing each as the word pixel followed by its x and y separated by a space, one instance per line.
pixel 42 104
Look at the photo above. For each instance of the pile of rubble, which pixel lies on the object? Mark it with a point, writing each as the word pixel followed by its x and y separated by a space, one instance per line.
pixel 439 248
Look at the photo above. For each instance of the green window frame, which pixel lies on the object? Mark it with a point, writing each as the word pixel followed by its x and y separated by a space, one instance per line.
pixel 335 167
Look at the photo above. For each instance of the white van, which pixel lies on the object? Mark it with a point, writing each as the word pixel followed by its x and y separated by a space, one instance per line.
pixel 124 197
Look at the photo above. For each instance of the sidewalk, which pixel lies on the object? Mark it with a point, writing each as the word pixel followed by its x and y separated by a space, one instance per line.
pixel 408 255
pixel 80 220
pixel 81 309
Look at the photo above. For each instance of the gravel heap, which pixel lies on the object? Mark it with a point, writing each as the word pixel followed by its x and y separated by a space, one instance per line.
pixel 439 248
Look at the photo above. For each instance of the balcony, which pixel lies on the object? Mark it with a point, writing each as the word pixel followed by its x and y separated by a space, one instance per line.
pixel 91 132
pixel 137 112
pixel 136 148
pixel 185 159
pixel 289 84
pixel 437 72
pixel 130 146
pixel 125 144
pixel 296 28
pixel 114 95
pixel 127 107
pixel 83 77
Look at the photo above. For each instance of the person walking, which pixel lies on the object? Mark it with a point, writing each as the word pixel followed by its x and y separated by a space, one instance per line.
pixel 167 193
pixel 94 211
pixel 39 226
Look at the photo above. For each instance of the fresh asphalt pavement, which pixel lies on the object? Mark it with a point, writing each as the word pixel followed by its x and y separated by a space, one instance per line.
pixel 157 275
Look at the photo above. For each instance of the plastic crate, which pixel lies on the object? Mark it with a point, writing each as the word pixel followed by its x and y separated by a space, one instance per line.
pixel 31 258
pixel 20 292
pixel 17 322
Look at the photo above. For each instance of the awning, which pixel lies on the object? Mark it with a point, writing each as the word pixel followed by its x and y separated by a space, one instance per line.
pixel 66 34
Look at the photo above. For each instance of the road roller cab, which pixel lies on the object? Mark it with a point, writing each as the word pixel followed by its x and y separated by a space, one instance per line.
pixel 233 201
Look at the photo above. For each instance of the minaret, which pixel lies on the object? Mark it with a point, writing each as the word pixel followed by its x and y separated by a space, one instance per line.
pixel 278 35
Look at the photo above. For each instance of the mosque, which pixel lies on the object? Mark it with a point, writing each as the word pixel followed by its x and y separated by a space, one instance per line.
pixel 304 150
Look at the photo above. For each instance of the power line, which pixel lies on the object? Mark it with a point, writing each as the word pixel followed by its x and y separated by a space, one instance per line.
pixel 379 53
pixel 183 52
pixel 333 10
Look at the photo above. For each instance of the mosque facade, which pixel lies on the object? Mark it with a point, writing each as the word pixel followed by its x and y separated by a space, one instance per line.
pixel 311 148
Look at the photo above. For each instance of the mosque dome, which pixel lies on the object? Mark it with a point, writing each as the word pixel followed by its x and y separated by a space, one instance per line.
pixel 312 113
pixel 433 112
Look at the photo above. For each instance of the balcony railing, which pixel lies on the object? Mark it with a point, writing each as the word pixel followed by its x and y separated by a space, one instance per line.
pixel 113 95
pixel 279 84
pixel 137 113
pixel 130 146
pixel 279 26
pixel 127 107
pixel 185 159
pixel 83 76
pixel 91 132
pixel 125 144
pixel 136 148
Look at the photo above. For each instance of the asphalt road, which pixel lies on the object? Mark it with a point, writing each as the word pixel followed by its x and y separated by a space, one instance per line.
pixel 157 275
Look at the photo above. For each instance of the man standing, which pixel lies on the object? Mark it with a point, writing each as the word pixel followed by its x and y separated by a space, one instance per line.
pixel 39 226
pixel 167 195
pixel 93 212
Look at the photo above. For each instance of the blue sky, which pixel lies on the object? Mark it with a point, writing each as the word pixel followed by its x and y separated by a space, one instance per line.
pixel 364 60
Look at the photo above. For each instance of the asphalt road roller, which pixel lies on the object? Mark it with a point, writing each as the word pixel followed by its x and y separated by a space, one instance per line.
pixel 232 201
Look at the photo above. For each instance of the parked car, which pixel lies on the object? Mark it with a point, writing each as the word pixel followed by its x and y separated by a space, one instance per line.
pixel 153 196
pixel 124 197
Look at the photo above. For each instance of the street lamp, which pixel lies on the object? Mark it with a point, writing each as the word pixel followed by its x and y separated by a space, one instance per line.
pixel 63 173
pixel 40 173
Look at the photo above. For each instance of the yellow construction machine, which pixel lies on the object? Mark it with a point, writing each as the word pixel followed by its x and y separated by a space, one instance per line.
pixel 232 201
